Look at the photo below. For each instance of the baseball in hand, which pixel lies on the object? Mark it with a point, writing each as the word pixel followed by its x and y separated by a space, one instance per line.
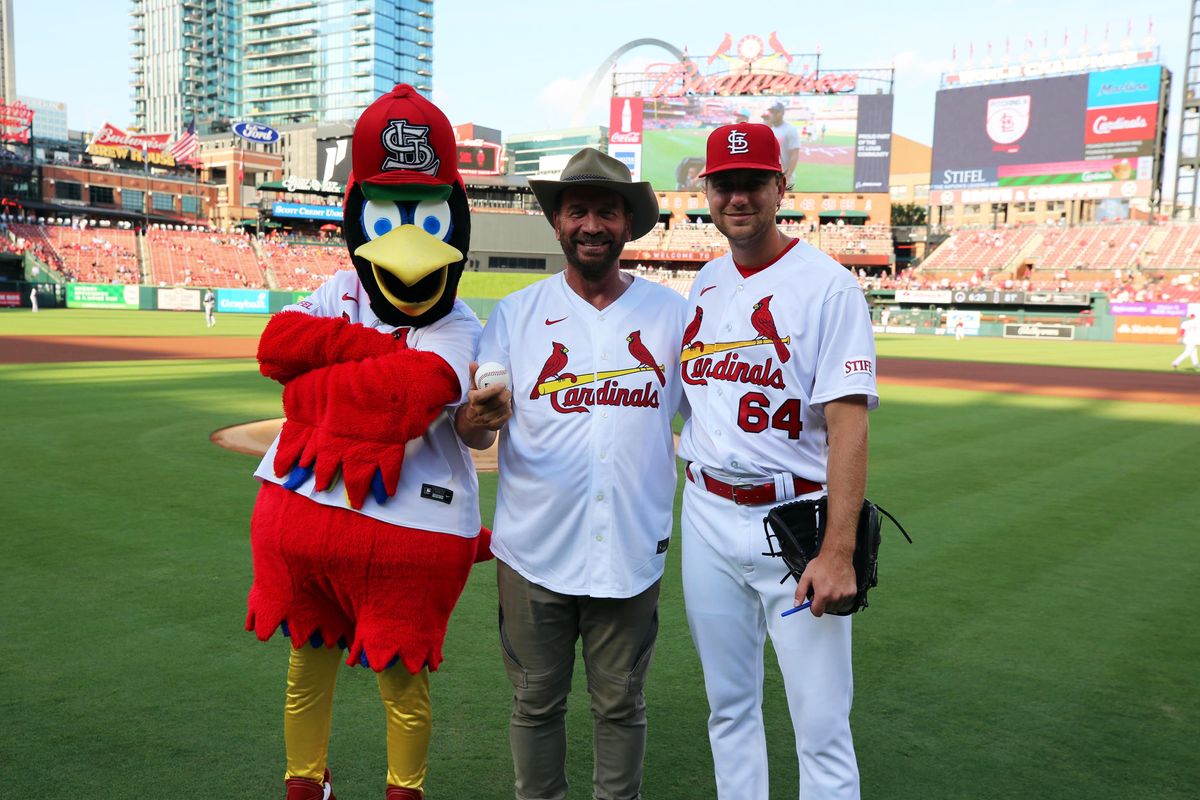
pixel 491 373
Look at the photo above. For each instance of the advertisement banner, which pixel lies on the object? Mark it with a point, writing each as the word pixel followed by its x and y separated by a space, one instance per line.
pixel 1029 330
pixel 970 321
pixel 1179 310
pixel 178 299
pixel 333 160
pixel 102 295
pixel 625 120
pixel 16 122
pixel 10 299
pixel 873 148
pixel 243 301
pixel 1058 299
pixel 1071 137
pixel 820 134
pixel 1164 330
pixel 113 142
pixel 306 211
pixel 923 296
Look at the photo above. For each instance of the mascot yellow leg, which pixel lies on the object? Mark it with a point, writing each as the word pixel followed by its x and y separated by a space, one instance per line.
pixel 308 710
pixel 409 717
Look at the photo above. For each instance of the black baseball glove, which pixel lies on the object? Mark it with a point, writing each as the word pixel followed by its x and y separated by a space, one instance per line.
pixel 795 532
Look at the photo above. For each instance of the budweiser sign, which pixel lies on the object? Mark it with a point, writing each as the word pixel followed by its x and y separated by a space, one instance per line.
pixel 112 142
pixel 679 79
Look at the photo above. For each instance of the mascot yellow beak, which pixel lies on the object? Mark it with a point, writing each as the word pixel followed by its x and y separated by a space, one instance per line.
pixel 410 255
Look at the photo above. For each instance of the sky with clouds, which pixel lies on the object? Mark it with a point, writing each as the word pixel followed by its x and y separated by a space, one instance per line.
pixel 523 66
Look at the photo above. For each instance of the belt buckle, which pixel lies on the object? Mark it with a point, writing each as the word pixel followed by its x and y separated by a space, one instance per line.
pixel 733 493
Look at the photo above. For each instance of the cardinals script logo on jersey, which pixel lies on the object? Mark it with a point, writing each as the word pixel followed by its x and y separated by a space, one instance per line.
pixel 699 364
pixel 571 393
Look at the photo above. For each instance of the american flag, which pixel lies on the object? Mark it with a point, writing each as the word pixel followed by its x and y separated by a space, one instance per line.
pixel 185 147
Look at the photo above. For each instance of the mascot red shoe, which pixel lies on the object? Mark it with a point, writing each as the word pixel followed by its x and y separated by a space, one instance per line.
pixel 367 521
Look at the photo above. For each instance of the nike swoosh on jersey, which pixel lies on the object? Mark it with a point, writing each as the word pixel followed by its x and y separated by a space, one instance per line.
pixel 707 288
pixel 553 321
pixel 350 297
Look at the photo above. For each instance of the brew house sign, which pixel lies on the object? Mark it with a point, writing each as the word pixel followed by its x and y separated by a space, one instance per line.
pixel 751 69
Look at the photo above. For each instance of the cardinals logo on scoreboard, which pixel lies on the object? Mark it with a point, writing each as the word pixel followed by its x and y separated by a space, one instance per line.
pixel 576 393
pixel 1008 120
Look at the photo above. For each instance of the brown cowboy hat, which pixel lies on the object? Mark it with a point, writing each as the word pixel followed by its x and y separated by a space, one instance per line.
pixel 590 167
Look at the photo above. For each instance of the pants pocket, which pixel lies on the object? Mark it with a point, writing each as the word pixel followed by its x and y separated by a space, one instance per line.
pixel 517 674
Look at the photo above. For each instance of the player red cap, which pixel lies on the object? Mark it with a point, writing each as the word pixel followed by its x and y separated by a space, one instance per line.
pixel 746 145
pixel 403 141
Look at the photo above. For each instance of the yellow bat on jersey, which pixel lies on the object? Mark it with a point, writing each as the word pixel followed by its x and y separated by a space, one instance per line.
pixel 549 387
pixel 696 351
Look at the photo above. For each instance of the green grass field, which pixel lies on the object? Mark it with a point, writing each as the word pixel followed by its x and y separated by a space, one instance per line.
pixel 1035 642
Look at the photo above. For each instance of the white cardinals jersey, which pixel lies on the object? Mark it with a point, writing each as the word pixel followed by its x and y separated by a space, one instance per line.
pixel 760 356
pixel 1191 330
pixel 438 458
pixel 587 467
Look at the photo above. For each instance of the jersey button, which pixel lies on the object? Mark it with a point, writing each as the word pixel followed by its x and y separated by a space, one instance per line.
pixel 599 538
pixel 604 356
pixel 740 287
pixel 600 496
pixel 733 464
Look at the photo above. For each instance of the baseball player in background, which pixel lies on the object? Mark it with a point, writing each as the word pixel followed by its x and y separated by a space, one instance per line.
pixel 210 308
pixel 587 478
pixel 1189 333
pixel 779 379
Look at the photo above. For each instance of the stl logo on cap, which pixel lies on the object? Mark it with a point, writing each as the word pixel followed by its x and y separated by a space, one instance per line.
pixel 408 148
pixel 738 143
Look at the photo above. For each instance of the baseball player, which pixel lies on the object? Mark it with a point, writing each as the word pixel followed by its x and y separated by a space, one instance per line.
pixel 33 299
pixel 1189 332
pixel 587 477
pixel 779 379
pixel 210 308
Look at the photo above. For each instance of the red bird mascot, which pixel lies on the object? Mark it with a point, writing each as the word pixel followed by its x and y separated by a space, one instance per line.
pixel 367 521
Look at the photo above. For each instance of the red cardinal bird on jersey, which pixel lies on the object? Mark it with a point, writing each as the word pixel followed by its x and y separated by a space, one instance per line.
pixel 764 324
pixel 552 368
pixel 644 357
pixel 692 329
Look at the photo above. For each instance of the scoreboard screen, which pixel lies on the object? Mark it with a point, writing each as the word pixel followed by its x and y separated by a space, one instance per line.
pixel 481 158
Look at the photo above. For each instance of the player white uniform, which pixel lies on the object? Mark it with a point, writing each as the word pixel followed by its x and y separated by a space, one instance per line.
pixel 437 459
pixel 586 461
pixel 1190 328
pixel 210 305
pixel 756 386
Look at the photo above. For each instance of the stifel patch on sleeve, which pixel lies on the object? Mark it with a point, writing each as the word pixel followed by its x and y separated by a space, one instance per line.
pixel 859 366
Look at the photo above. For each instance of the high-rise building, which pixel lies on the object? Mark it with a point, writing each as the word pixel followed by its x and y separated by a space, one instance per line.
pixel 184 63
pixel 274 61
pixel 49 119
pixel 8 72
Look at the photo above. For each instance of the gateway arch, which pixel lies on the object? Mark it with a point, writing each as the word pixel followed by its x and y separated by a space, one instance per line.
pixel 609 63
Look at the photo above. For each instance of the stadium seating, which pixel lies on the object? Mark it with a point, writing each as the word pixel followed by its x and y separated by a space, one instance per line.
pixel 1090 247
pixel 202 258
pixel 292 265
pixel 1178 250
pixel 85 254
pixel 973 250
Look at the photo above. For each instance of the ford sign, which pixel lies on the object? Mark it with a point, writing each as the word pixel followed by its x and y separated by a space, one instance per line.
pixel 253 132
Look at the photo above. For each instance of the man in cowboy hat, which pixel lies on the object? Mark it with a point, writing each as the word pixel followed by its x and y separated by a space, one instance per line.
pixel 587 477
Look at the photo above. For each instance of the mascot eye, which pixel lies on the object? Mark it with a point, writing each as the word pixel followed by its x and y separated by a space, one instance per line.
pixel 433 217
pixel 380 217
